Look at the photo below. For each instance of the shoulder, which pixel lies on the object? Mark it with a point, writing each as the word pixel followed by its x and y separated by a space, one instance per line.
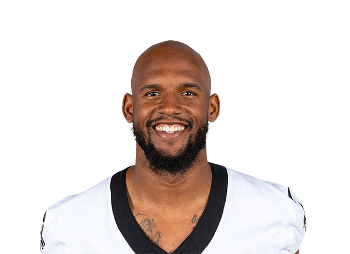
pixel 74 216
pixel 264 214
pixel 254 188
pixel 247 190
pixel 79 202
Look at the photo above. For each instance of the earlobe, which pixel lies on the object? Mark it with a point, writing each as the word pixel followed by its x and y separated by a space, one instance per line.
pixel 128 107
pixel 214 107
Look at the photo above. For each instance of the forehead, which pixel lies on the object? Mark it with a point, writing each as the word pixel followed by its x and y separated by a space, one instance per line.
pixel 173 65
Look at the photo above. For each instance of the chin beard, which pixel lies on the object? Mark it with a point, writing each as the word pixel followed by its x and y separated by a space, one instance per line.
pixel 164 164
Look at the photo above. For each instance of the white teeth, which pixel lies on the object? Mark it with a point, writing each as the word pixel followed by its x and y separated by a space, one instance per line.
pixel 169 128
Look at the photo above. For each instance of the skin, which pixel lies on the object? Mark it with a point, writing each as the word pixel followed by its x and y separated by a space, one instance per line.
pixel 170 81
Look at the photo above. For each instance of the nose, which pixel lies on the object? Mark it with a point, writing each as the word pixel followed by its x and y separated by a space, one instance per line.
pixel 170 105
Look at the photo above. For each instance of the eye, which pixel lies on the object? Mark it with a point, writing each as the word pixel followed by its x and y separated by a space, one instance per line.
pixel 152 94
pixel 188 93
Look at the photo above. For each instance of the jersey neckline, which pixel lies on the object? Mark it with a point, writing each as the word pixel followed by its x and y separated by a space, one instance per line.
pixel 202 233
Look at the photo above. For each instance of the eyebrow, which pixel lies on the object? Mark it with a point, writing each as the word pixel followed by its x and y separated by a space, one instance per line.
pixel 153 86
pixel 183 85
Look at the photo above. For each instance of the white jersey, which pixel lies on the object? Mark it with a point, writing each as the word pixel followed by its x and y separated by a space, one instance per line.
pixel 244 215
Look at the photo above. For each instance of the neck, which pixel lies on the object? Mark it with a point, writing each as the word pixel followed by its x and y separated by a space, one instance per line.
pixel 147 189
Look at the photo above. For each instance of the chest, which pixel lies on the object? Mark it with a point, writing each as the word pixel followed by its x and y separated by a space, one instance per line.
pixel 148 233
pixel 167 232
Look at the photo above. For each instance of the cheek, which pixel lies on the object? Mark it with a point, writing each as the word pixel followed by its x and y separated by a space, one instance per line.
pixel 198 114
pixel 142 114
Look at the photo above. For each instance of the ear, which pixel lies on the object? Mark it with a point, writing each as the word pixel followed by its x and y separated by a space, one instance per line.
pixel 214 107
pixel 128 107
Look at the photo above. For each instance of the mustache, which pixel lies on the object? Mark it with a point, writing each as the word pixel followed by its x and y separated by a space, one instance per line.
pixel 188 121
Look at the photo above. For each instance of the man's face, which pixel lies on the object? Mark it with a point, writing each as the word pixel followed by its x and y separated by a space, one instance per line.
pixel 171 91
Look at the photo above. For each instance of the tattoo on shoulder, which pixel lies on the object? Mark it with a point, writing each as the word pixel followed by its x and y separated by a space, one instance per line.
pixel 148 226
pixel 195 219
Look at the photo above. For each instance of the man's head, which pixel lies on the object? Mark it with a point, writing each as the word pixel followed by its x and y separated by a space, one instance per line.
pixel 170 106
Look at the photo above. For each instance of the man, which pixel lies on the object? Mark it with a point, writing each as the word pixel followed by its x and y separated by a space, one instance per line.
pixel 172 200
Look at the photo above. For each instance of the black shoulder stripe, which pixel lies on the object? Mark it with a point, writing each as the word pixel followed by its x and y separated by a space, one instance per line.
pixel 289 194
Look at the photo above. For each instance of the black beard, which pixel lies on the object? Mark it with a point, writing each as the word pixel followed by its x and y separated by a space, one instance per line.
pixel 163 164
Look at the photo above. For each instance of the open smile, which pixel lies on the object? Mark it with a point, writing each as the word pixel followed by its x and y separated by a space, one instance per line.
pixel 170 128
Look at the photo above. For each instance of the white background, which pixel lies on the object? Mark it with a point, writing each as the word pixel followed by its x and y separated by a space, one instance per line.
pixel 324 24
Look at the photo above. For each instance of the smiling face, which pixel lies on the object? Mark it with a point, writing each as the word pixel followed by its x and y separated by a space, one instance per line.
pixel 171 105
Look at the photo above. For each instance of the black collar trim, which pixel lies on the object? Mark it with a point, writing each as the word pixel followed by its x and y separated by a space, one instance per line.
pixel 201 235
